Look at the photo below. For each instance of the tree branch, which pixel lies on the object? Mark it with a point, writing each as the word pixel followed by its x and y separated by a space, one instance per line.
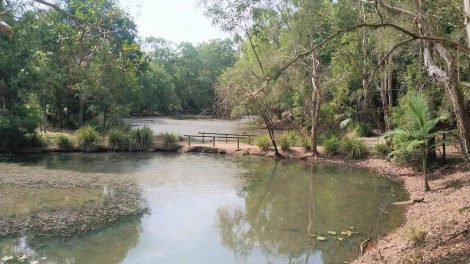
pixel 63 12
pixel 387 55
pixel 414 36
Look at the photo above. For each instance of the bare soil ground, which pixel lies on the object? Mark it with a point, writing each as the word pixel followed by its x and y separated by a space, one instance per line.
pixel 436 230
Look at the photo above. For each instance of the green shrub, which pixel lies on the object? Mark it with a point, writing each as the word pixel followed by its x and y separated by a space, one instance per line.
pixel 284 142
pixel 323 136
pixel 306 143
pixel 36 140
pixel 287 140
pixel 64 142
pixel 141 139
pixel 353 148
pixel 15 124
pixel 118 140
pixel 331 145
pixel 170 141
pixel 263 142
pixel 87 138
pixel 363 130
pixel 382 149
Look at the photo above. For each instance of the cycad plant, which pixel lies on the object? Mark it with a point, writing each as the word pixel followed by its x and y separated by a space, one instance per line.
pixel 415 137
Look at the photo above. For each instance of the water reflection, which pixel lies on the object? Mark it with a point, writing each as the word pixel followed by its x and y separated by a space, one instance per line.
pixel 215 209
pixel 285 202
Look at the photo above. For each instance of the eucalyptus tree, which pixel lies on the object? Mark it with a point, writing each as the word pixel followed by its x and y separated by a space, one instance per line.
pixel 250 19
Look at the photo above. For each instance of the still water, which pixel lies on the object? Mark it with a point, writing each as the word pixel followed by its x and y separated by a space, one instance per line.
pixel 217 209
pixel 185 126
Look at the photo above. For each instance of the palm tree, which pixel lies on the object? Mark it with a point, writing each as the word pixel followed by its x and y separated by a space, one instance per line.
pixel 418 133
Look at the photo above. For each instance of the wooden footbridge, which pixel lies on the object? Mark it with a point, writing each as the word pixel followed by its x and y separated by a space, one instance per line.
pixel 212 137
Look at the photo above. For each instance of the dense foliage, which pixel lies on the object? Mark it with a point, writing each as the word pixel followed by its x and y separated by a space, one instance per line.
pixel 83 63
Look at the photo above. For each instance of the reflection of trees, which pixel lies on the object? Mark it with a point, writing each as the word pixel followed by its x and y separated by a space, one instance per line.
pixel 89 163
pixel 286 199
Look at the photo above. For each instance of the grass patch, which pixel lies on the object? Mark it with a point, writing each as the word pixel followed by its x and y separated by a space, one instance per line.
pixel 331 145
pixel 353 148
pixel 141 139
pixel 118 140
pixel 87 138
pixel 64 142
pixel 170 141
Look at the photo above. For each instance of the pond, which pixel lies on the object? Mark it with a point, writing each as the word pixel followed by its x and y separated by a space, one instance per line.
pixel 218 209
pixel 191 126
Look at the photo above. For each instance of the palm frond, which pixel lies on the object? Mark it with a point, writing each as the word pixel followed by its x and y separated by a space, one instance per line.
pixel 419 108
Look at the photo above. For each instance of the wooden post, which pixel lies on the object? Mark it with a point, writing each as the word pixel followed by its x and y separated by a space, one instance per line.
pixel 189 141
pixel 213 141
pixel 226 138
pixel 203 141
pixel 249 140
pixel 238 143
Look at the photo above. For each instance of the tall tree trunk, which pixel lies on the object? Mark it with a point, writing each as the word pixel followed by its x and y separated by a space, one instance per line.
pixel 316 101
pixel 269 125
pixel 81 110
pixel 389 89
pixel 369 97
pixel 466 9
pixel 426 184
pixel 448 77
pixel 383 97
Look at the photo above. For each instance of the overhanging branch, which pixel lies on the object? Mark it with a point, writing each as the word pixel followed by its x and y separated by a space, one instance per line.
pixel 414 36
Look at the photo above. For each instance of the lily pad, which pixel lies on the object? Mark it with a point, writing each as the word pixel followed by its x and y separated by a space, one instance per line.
pixel 332 232
pixel 340 238
pixel 320 238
